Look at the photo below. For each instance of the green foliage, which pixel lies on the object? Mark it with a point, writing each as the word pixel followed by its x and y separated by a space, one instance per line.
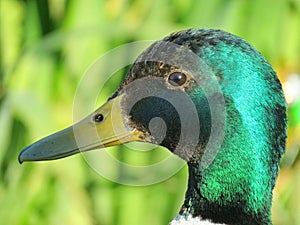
pixel 46 46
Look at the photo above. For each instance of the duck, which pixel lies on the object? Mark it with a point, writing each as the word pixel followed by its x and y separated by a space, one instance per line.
pixel 210 98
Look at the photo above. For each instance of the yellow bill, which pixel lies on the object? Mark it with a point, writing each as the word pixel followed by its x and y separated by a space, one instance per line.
pixel 107 126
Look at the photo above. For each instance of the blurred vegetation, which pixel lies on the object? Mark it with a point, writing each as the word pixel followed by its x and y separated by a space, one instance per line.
pixel 46 46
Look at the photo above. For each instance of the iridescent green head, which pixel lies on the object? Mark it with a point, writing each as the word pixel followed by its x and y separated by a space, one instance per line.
pixel 212 99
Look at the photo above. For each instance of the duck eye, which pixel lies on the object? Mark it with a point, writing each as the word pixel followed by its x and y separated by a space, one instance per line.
pixel 177 78
pixel 98 118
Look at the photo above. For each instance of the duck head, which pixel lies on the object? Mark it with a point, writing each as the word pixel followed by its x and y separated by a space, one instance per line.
pixel 210 98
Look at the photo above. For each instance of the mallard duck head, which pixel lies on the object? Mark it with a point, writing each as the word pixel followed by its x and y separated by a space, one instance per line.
pixel 212 99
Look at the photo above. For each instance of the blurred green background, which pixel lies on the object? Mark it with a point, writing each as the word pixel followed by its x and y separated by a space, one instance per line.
pixel 46 46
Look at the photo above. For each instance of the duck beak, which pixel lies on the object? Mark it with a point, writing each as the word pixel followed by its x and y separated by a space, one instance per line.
pixel 107 126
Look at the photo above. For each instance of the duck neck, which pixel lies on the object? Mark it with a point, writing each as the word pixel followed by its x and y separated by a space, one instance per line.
pixel 237 185
pixel 231 209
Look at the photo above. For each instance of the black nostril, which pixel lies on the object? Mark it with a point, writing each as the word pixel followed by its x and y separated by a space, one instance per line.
pixel 98 118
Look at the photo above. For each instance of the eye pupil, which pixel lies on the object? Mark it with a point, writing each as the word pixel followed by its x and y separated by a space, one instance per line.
pixel 98 118
pixel 177 78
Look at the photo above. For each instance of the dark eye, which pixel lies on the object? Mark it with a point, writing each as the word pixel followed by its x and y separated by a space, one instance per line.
pixel 177 78
pixel 98 118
